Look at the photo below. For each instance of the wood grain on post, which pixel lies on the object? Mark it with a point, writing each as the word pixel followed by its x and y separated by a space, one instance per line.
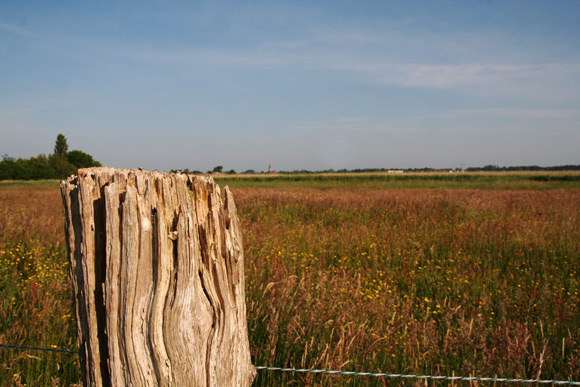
pixel 157 269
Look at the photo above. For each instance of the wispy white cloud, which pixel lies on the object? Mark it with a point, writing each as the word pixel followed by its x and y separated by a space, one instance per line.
pixel 381 60
pixel 514 112
pixel 14 29
pixel 545 82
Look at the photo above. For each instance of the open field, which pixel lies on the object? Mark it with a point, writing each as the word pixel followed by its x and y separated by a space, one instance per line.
pixel 413 180
pixel 358 275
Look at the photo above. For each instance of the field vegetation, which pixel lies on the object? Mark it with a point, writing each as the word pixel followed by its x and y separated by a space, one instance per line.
pixel 398 276
pixel 35 294
pixel 384 180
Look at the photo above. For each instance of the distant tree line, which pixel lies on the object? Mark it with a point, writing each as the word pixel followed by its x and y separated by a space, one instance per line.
pixel 58 165
pixel 216 170
pixel 490 168
pixel 487 168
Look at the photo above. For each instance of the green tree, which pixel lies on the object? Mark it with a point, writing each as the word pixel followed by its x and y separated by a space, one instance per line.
pixel 58 163
pixel 39 167
pixel 61 168
pixel 61 147
pixel 81 159
pixel 7 168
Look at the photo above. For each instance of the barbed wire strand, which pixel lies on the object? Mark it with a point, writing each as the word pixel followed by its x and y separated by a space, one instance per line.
pixel 354 373
pixel 431 377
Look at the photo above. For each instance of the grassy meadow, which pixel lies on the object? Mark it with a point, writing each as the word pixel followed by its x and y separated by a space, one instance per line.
pixel 35 293
pixel 467 276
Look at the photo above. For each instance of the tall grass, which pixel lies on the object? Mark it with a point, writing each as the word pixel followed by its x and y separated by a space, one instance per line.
pixel 35 296
pixel 423 281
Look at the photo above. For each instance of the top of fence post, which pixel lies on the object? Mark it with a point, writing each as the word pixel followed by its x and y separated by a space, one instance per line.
pixel 157 267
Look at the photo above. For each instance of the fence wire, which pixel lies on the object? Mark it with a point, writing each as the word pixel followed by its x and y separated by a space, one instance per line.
pixel 354 373
pixel 430 377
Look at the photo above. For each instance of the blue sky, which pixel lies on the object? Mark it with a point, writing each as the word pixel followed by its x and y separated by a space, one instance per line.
pixel 297 84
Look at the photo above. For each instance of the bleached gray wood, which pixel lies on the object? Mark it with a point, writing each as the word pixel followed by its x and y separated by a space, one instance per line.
pixel 157 268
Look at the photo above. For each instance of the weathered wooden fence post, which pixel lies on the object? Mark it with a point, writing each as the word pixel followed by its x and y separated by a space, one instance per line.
pixel 157 267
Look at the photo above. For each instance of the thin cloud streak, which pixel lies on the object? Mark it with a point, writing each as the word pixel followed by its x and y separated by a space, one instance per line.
pixel 504 112
pixel 488 78
pixel 11 28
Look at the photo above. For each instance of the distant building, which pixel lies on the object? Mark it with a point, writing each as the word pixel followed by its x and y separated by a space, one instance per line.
pixel 270 170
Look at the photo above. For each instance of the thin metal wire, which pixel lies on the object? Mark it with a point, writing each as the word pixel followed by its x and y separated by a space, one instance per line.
pixel 354 373
pixel 431 377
